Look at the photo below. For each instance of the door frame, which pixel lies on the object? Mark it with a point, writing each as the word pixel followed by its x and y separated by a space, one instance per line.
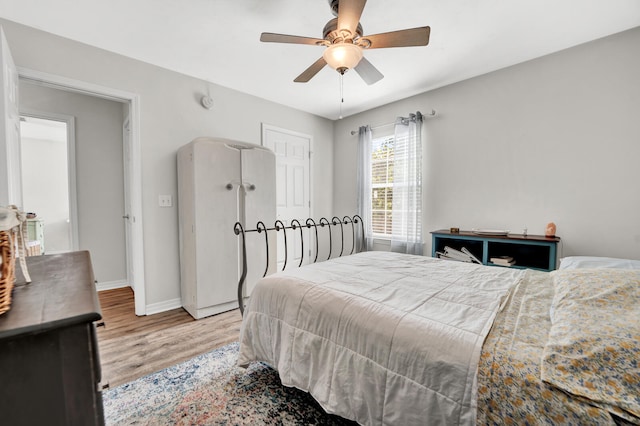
pixel 135 179
pixel 10 184
pixel 71 164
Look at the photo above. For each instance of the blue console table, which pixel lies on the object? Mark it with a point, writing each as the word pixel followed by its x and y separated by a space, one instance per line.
pixel 529 251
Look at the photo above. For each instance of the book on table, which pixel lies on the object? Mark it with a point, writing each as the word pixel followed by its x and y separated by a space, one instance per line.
pixel 503 260
pixel 462 255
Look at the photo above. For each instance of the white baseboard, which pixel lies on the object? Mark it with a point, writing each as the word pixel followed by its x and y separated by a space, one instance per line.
pixel 167 305
pixel 110 285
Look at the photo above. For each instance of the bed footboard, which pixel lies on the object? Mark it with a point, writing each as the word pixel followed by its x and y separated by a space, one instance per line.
pixel 354 224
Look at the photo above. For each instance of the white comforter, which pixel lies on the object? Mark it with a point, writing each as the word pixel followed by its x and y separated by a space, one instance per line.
pixel 380 338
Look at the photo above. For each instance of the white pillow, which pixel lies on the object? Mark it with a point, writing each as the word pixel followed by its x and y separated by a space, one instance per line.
pixel 583 262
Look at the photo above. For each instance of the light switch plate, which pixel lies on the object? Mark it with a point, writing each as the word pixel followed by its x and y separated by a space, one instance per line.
pixel 165 200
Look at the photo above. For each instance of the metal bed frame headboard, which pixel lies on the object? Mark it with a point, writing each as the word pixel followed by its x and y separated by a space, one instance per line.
pixel 296 225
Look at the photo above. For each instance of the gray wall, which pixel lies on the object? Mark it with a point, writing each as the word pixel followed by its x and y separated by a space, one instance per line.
pixel 99 170
pixel 553 139
pixel 171 116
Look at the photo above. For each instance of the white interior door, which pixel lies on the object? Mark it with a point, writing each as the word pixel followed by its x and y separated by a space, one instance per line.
pixel 10 170
pixel 293 186
pixel 127 216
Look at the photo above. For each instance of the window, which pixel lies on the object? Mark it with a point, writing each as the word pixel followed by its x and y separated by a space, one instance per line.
pixel 390 185
pixel 382 155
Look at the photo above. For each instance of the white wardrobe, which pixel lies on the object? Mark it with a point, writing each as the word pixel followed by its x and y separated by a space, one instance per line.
pixel 221 182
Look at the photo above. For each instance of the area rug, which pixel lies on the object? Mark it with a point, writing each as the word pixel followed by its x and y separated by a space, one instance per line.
pixel 211 390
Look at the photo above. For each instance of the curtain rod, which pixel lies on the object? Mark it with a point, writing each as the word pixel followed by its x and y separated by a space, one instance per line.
pixel 355 132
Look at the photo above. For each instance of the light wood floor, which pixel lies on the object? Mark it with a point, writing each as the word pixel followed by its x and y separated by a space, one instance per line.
pixel 131 346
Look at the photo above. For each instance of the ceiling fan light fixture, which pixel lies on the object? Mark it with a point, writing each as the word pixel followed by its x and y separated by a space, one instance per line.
pixel 342 56
pixel 345 42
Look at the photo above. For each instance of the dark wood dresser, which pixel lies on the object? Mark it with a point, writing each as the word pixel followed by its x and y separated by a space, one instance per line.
pixel 49 365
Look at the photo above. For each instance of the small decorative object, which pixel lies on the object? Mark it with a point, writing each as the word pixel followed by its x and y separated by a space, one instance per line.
pixel 454 230
pixel 550 230
pixel 12 231
pixel 524 232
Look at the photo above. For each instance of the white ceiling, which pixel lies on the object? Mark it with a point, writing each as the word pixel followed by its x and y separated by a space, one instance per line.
pixel 218 40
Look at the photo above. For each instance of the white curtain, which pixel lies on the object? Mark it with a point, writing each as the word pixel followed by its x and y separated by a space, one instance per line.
pixel 406 234
pixel 364 183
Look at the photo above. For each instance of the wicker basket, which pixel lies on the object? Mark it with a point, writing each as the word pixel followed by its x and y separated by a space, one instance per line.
pixel 7 270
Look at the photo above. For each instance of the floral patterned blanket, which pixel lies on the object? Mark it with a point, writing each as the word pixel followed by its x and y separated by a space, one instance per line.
pixel 564 350
pixel 594 342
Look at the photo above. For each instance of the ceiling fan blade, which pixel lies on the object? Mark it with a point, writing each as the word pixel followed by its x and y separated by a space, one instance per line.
pixel 311 71
pixel 368 72
pixel 411 37
pixel 284 38
pixel 349 12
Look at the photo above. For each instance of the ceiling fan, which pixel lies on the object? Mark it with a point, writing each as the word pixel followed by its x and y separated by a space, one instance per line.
pixel 345 43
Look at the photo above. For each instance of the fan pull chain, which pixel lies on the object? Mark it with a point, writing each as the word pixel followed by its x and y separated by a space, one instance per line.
pixel 341 95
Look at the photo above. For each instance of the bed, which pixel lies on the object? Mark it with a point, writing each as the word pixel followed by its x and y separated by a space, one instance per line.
pixel 392 339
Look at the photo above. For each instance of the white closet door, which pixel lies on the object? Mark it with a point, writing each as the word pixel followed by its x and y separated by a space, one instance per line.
pixel 259 175
pixel 292 187
pixel 216 165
